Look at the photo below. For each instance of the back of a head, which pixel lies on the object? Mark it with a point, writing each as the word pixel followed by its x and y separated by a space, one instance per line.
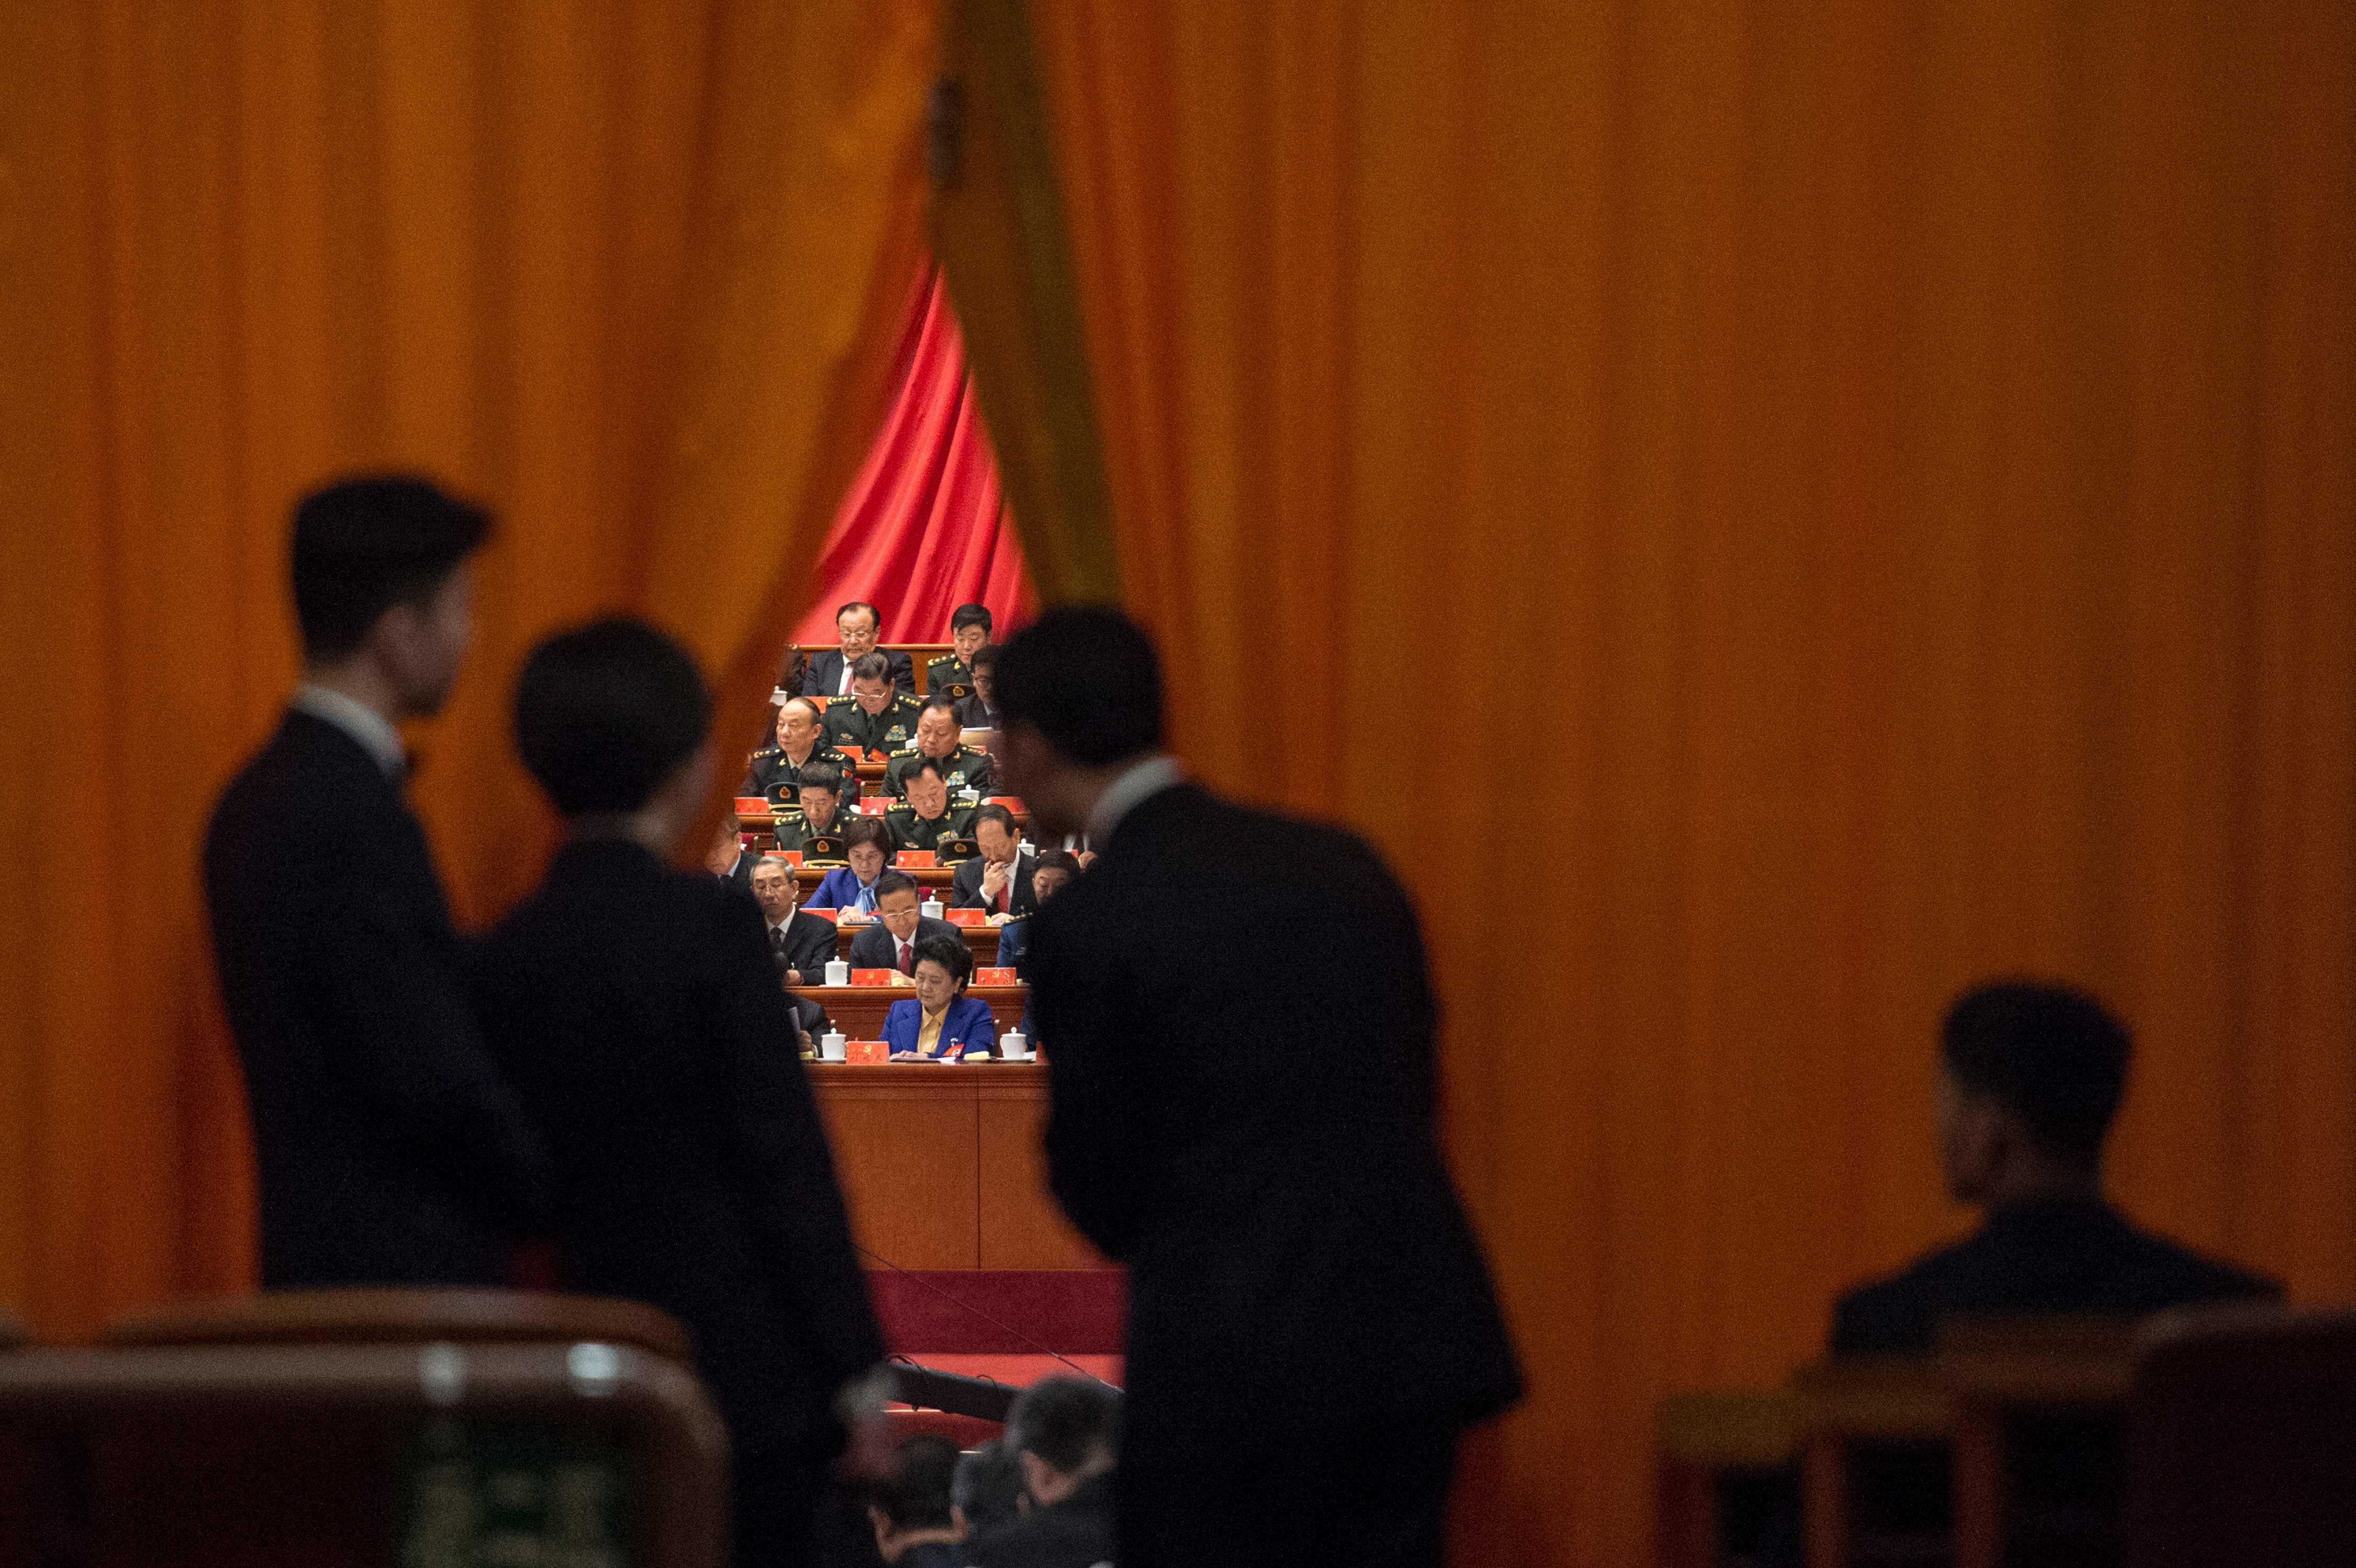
pixel 1089 680
pixel 1068 1421
pixel 606 713
pixel 988 1486
pixel 2051 1054
pixel 362 545
pixel 916 1494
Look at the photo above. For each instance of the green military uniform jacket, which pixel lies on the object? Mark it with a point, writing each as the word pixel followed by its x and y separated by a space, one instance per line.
pixel 965 768
pixel 948 676
pixel 847 724
pixel 910 831
pixel 773 775
pixel 793 835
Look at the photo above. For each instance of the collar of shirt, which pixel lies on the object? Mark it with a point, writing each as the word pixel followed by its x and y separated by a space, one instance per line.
pixel 1140 782
pixel 363 724
pixel 843 689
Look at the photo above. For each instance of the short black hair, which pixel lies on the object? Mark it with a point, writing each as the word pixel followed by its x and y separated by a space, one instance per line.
pixel 965 615
pixel 988 1486
pixel 848 605
pixel 1066 1421
pixel 985 654
pixel 892 881
pixel 924 764
pixel 1061 859
pixel 606 712
pixel 940 700
pixel 2051 1054
pixel 1089 680
pixel 363 544
pixel 870 830
pixel 824 775
pixel 949 953
pixel 916 1495
pixel 871 667
pixel 994 812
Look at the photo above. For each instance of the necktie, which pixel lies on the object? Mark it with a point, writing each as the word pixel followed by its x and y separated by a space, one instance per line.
pixel 908 959
pixel 1006 893
pixel 777 939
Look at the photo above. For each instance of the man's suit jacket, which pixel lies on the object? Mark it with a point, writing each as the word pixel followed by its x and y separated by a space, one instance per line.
pixel 809 943
pixel 965 888
pixel 873 948
pixel 1014 948
pixel 967 1019
pixel 1250 1131
pixel 391 1152
pixel 2043 1260
pixel 822 676
pixel 1074 1533
pixel 638 1011
pixel 740 876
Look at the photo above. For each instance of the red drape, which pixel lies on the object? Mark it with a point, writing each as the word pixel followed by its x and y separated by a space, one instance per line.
pixel 923 529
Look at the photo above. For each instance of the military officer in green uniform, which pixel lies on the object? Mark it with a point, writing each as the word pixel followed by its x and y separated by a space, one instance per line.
pixel 951 675
pixel 876 717
pixel 969 771
pixel 814 827
pixel 926 818
pixel 777 771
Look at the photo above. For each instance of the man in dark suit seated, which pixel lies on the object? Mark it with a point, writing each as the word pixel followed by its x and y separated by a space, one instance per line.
pixel 998 878
pixel 877 716
pixel 726 859
pixel 829 673
pixel 1053 869
pixel 391 1150
pixel 2031 1076
pixel 639 1010
pixel 981 710
pixel 801 943
pixel 1240 1027
pixel 1064 1433
pixel 891 942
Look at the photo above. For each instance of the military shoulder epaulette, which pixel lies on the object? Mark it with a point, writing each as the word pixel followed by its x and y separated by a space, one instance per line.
pixel 905 751
pixel 766 752
pixel 787 814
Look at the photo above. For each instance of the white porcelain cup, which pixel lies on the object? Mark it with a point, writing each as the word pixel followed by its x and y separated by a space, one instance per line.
pixel 838 973
pixel 830 1046
pixel 930 909
pixel 1013 1045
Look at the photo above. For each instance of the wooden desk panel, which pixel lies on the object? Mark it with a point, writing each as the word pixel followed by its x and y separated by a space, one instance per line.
pixel 906 1149
pixel 1022 1226
pixel 942 1167
pixel 858 1010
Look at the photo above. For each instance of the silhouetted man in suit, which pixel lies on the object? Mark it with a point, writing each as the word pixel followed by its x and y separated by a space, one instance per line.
pixel 1241 1110
pixel 639 1009
pixel 389 1150
pixel 1064 1434
pixel 828 672
pixel 2031 1076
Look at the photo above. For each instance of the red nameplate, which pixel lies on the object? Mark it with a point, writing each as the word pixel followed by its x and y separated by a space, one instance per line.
pixel 821 702
pixel 966 917
pixel 1011 802
pixel 866 1051
pixel 873 805
pixel 995 977
pixel 792 856
pixel 752 806
pixel 874 976
pixel 916 857
pixel 824 914
pixel 850 753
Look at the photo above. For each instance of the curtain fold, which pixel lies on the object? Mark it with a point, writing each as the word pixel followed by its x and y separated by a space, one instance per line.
pixel 630 272
pixel 924 527
pixel 1768 513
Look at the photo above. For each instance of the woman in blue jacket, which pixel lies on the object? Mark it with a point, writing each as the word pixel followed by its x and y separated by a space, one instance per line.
pixel 943 1021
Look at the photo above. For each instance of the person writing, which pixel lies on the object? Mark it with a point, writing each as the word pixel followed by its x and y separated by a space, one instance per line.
pixel 890 942
pixel 942 1022
pixel 637 1010
pixel 867 846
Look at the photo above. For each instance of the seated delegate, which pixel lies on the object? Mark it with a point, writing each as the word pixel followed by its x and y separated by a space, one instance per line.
pixel 941 1022
pixel 1055 868
pixel 900 925
pixel 867 846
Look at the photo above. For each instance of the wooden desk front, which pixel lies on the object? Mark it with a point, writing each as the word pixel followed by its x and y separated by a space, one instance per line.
pixel 858 1010
pixel 941 1164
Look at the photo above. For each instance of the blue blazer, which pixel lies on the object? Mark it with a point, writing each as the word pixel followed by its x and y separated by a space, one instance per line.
pixel 1014 946
pixel 968 1020
pixel 838 889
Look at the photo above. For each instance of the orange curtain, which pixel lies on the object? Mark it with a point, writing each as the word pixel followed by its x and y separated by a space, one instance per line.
pixel 1768 512
pixel 630 271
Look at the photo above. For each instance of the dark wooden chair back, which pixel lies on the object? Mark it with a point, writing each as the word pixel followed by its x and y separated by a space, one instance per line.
pixel 2242 1440
pixel 406 1317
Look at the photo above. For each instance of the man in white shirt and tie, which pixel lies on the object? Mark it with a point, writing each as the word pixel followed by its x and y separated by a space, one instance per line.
pixel 998 878
pixel 891 943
